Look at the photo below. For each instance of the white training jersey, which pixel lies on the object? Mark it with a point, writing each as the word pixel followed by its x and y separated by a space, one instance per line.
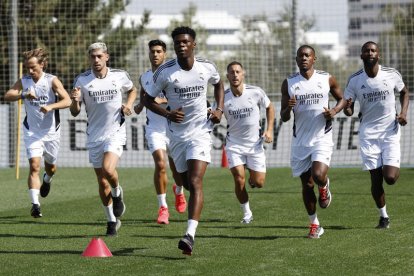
pixel 154 122
pixel 36 123
pixel 103 102
pixel 310 126
pixel 186 90
pixel 376 99
pixel 243 116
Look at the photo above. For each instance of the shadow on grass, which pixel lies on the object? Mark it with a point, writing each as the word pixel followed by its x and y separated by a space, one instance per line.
pixel 46 252
pixel 48 237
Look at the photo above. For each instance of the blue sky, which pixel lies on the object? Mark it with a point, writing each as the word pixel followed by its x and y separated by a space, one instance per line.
pixel 331 15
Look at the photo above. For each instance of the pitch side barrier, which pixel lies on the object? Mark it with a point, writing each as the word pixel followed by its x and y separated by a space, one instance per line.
pixel 73 152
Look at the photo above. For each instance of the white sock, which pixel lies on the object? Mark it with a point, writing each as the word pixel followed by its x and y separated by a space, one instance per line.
pixel 47 178
pixel 162 202
pixel 383 211
pixel 179 189
pixel 192 227
pixel 109 212
pixel 34 196
pixel 116 192
pixel 314 219
pixel 246 209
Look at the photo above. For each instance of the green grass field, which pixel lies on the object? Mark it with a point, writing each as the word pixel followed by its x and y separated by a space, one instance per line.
pixel 274 244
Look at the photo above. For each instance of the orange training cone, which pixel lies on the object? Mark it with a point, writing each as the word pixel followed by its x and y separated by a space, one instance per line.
pixel 224 162
pixel 97 248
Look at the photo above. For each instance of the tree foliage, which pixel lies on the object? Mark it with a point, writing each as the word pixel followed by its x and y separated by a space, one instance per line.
pixel 65 29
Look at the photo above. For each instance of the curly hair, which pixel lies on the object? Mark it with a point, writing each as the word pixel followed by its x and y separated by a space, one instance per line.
pixel 183 30
pixel 41 54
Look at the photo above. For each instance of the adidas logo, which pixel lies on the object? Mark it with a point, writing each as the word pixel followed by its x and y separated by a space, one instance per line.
pixel 90 86
pixel 176 81
pixel 297 88
pixel 363 87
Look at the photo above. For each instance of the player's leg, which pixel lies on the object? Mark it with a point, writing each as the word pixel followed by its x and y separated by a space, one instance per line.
pixel 372 161
pixel 321 159
pixel 178 188
pixel 160 183
pixel 34 186
pixel 113 223
pixel 50 158
pixel 256 164
pixel 109 172
pixel 391 156
pixel 239 177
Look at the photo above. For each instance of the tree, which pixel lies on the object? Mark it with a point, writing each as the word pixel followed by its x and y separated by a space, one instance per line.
pixel 65 29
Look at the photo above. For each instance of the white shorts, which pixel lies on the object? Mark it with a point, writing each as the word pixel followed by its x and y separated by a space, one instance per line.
pixel 114 144
pixel 36 147
pixel 378 152
pixel 302 157
pixel 198 148
pixel 156 140
pixel 253 158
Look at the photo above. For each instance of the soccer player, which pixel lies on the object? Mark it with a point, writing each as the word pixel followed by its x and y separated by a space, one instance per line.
pixel 43 95
pixel 379 130
pixel 101 89
pixel 306 93
pixel 155 133
pixel 244 142
pixel 185 80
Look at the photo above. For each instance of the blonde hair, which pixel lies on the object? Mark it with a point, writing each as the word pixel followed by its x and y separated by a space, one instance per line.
pixel 97 46
pixel 41 54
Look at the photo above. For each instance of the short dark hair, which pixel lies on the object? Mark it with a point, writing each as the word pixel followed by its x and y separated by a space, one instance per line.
pixel 306 46
pixel 367 43
pixel 157 42
pixel 234 63
pixel 183 30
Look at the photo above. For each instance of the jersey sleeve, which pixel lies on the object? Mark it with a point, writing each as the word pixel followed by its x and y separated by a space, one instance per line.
pixel 127 83
pixel 399 83
pixel 214 74
pixel 264 99
pixel 158 84
pixel 349 91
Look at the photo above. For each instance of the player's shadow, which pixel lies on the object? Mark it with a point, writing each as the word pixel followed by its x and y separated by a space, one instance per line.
pixel 45 252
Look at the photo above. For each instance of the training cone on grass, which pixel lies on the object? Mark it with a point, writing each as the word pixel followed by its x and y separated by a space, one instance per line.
pixel 97 248
pixel 224 162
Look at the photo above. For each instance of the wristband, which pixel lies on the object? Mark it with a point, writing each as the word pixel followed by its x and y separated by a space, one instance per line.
pixel 218 108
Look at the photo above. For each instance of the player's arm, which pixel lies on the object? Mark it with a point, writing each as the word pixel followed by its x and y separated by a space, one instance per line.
pixel 216 114
pixel 132 95
pixel 176 116
pixel 270 117
pixel 64 99
pixel 287 103
pixel 404 100
pixel 75 106
pixel 140 106
pixel 336 92
pixel 13 94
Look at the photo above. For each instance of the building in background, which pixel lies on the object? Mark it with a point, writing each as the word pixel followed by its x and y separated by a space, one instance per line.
pixel 367 21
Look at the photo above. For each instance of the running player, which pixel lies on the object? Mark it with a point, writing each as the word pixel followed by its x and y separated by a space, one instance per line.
pixel 379 131
pixel 100 89
pixel 185 81
pixel 43 95
pixel 307 94
pixel 244 142
pixel 155 133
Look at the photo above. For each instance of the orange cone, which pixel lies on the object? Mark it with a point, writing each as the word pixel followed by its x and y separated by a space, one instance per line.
pixel 97 248
pixel 224 162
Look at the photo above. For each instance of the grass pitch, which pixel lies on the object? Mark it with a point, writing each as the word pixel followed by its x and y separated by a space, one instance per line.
pixel 274 244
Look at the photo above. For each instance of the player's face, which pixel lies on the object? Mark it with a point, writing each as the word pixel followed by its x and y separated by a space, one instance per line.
pixel 156 55
pixel 34 68
pixel 98 59
pixel 305 58
pixel 184 45
pixel 235 75
pixel 370 54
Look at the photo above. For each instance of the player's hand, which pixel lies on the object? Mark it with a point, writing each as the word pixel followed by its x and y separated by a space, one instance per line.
pixel 292 102
pixel 45 109
pixel 268 137
pixel 215 116
pixel 329 113
pixel 348 103
pixel 402 119
pixel 29 94
pixel 138 108
pixel 176 116
pixel 76 94
pixel 126 110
